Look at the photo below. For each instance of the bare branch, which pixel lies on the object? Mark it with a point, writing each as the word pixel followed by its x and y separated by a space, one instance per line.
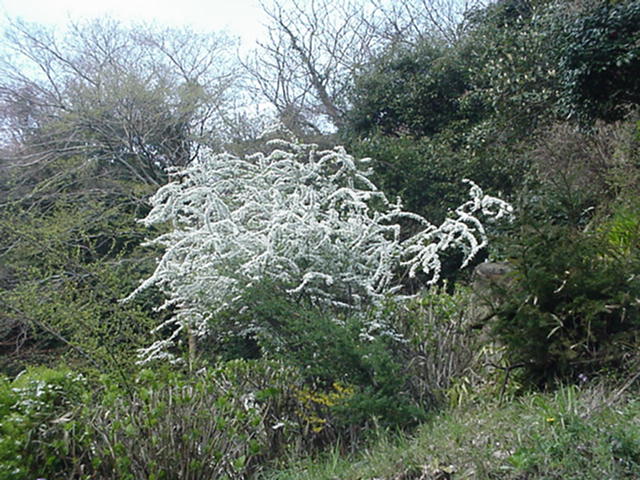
pixel 304 68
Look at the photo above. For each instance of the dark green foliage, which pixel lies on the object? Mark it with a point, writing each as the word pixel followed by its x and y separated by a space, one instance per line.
pixel 505 13
pixel 427 173
pixel 409 92
pixel 511 58
pixel 331 348
pixel 418 171
pixel 430 116
pixel 571 306
pixel 411 115
pixel 600 61
pixel 328 353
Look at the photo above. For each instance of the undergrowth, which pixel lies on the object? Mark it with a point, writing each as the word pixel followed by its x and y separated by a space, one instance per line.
pixel 588 432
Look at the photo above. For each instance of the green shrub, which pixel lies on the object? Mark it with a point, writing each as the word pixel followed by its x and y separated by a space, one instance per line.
pixel 351 374
pixel 39 436
pixel 425 173
pixel 333 350
pixel 409 92
pixel 222 422
pixel 510 58
pixel 572 307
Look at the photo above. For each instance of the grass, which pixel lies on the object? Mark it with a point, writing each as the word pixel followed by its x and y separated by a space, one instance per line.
pixel 573 433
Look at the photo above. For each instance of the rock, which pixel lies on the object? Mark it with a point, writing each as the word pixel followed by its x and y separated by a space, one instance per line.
pixel 488 279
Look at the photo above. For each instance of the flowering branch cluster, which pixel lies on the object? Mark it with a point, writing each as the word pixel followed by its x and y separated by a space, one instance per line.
pixel 303 217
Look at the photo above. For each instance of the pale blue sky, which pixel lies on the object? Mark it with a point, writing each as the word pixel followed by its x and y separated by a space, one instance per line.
pixel 239 17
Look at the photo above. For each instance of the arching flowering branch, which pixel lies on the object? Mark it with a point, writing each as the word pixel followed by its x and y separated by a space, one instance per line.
pixel 307 218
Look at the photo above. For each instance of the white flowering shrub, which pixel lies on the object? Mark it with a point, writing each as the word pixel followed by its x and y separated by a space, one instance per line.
pixel 305 218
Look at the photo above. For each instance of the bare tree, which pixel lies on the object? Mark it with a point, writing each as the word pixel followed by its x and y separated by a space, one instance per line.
pixel 305 65
pixel 136 98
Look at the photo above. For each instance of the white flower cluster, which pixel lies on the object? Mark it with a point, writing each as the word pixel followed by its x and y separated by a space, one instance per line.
pixel 306 218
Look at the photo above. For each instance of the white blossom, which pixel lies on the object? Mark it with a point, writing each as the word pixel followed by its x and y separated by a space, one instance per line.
pixel 308 218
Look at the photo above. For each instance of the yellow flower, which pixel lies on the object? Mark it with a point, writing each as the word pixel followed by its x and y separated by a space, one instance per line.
pixel 550 419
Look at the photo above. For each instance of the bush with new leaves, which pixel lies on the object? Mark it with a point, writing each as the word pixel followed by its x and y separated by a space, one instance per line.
pixel 39 436
pixel 223 422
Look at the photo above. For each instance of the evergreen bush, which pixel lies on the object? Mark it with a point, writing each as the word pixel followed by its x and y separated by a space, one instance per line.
pixel 572 307
pixel 349 363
